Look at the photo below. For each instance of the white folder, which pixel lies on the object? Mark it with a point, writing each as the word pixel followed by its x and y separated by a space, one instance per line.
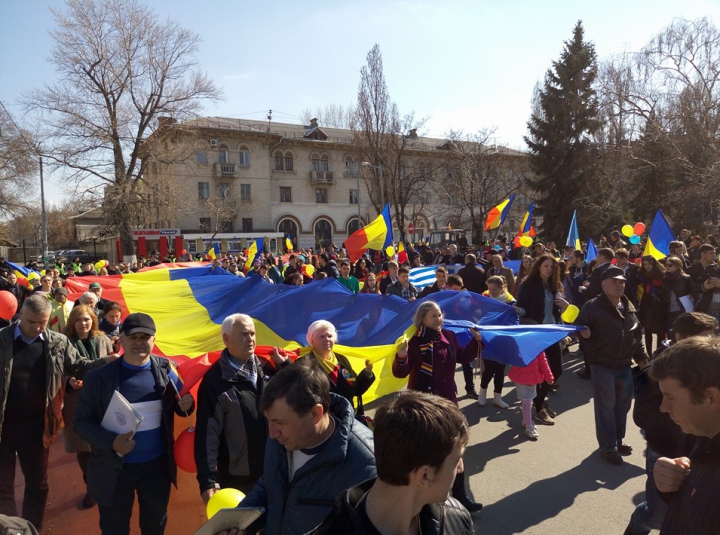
pixel 120 416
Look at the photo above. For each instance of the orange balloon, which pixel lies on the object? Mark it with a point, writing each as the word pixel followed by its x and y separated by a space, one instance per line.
pixel 8 305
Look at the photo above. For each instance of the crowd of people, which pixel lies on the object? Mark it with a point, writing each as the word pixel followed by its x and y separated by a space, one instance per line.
pixel 291 434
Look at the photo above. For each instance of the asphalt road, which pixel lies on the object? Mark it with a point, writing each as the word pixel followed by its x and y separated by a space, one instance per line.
pixel 555 486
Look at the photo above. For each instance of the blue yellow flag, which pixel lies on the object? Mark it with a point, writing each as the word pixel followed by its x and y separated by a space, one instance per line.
pixel 214 251
pixel 255 249
pixel 288 244
pixel 574 236
pixel 592 251
pixel 659 237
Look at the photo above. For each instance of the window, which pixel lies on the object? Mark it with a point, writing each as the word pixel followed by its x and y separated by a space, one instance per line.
pixel 320 195
pixel 285 194
pixel 201 156
pixel 323 233
pixel 354 226
pixel 402 171
pixel 205 224
pixel 224 190
pixel 352 168
pixel 244 157
pixel 226 226
pixel 192 246
pixel 224 156
pixel 204 190
pixel 353 196
pixel 279 162
pixel 424 197
pixel 247 225
pixel 320 163
pixel 244 192
pixel 288 162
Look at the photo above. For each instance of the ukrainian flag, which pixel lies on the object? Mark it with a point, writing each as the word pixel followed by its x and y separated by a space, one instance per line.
pixel 574 236
pixel 659 237
pixel 254 251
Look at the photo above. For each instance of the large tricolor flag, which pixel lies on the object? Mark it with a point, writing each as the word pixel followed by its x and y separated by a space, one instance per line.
pixel 659 237
pixel 496 216
pixel 526 228
pixel 255 249
pixel 377 235
pixel 574 236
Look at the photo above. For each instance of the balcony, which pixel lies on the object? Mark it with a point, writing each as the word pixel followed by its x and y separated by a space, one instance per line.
pixel 321 177
pixel 226 169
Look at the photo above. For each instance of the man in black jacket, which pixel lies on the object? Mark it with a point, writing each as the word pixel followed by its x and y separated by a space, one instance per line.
pixel 689 378
pixel 419 444
pixel 231 432
pixel 473 275
pixel 328 266
pixel 592 286
pixel 613 339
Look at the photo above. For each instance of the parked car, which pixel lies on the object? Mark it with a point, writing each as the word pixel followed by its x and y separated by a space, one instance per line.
pixel 68 256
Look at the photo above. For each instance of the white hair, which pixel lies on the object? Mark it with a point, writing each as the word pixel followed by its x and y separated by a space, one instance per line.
pixel 92 295
pixel 320 324
pixel 227 324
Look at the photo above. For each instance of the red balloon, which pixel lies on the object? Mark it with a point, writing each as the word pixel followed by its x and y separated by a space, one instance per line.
pixel 639 228
pixel 183 252
pixel 8 305
pixel 516 242
pixel 185 450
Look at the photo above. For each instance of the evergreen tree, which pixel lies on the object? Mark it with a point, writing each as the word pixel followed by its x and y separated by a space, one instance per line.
pixel 561 130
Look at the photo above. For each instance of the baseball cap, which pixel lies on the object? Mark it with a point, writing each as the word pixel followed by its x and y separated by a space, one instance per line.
pixel 138 323
pixel 61 291
pixel 95 285
pixel 613 272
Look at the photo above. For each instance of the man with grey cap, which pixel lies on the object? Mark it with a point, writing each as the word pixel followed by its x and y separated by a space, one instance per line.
pixel 141 461
pixel 613 339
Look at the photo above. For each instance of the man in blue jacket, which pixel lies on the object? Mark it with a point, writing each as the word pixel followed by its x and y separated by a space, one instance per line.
pixel 316 449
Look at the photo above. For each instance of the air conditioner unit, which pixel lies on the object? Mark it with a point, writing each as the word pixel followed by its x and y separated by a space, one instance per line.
pixel 213 142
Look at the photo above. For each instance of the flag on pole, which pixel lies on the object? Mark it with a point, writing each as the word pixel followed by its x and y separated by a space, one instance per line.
pixel 574 236
pixel 214 251
pixel 659 237
pixel 496 216
pixel 401 253
pixel 255 249
pixel 288 244
pixel 592 251
pixel 376 235
pixel 526 228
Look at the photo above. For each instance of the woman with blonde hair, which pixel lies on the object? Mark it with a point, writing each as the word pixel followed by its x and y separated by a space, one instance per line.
pixel 83 332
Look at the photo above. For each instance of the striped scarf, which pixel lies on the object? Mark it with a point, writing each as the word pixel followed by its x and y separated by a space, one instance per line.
pixel 429 336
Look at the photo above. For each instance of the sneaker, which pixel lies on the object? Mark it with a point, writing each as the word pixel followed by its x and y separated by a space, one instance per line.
pixel 470 391
pixel 624 449
pixel 543 417
pixel 613 457
pixel 584 374
pixel 551 412
pixel 531 433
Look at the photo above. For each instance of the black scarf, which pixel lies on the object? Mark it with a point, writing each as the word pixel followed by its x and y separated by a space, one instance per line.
pixel 428 338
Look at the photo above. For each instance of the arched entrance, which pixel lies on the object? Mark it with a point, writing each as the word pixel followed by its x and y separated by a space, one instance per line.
pixel 323 233
pixel 354 225
pixel 289 228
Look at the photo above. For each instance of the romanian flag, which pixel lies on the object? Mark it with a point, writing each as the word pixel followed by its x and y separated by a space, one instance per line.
pixel 214 251
pixel 401 254
pixel 377 235
pixel 659 237
pixel 24 275
pixel 592 251
pixel 255 249
pixel 189 305
pixel 526 228
pixel 288 244
pixel 497 215
pixel 573 235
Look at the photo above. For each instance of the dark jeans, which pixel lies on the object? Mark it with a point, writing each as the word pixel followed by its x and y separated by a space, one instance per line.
pixel 554 358
pixel 649 514
pixel 468 376
pixel 152 483
pixel 612 397
pixel 33 458
pixel 495 371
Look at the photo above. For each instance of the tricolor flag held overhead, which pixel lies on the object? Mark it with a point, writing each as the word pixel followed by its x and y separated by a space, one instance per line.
pixel 402 253
pixel 253 252
pixel 496 216
pixel 288 244
pixel 659 237
pixel 377 235
pixel 526 228
pixel 574 236
pixel 214 251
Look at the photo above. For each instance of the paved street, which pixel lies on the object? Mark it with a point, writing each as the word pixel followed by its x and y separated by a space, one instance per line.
pixel 557 485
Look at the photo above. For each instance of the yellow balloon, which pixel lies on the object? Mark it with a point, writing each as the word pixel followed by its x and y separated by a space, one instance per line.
pixel 99 265
pixel 570 314
pixel 223 499
pixel 32 276
pixel 42 272
pixel 525 241
pixel 627 230
pixel 390 250
pixel 309 269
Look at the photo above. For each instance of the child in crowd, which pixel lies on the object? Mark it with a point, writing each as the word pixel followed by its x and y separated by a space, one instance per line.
pixel 526 379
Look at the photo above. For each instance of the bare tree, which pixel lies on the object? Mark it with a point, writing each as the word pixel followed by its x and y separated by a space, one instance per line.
pixel 120 70
pixel 18 161
pixel 332 115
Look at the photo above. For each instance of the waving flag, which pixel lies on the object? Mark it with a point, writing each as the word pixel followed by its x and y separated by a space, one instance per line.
pixel 659 237
pixel 526 228
pixel 574 236
pixel 402 253
pixel 377 235
pixel 255 249
pixel 592 251
pixel 214 251
pixel 288 244
pixel 496 216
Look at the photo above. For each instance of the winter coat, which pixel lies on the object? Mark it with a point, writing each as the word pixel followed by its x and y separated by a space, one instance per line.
pixel 536 372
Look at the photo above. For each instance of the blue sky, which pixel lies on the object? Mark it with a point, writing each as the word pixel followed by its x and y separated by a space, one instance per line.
pixel 464 65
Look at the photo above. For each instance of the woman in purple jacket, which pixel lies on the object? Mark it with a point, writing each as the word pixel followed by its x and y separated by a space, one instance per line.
pixel 430 358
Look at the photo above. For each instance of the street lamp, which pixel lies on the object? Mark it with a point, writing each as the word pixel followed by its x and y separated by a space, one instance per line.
pixel 379 169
